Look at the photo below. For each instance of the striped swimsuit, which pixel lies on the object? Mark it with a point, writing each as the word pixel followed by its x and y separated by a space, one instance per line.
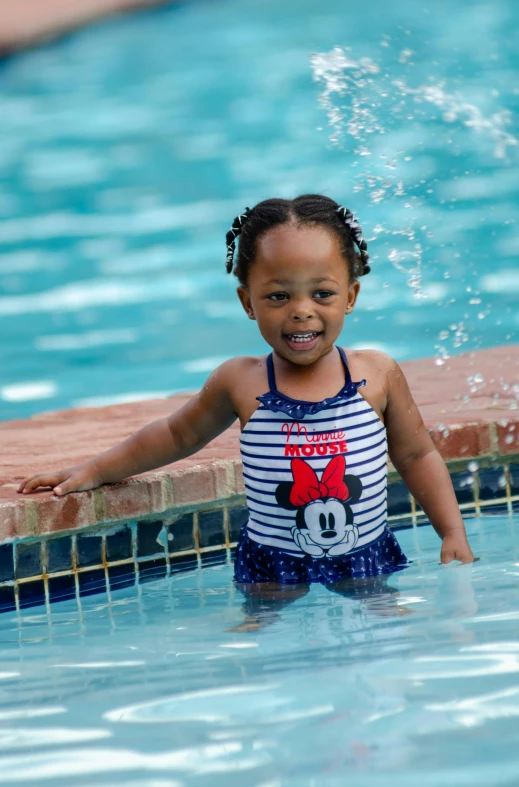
pixel 316 484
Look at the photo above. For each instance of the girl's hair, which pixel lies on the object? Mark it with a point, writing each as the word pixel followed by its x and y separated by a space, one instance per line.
pixel 306 209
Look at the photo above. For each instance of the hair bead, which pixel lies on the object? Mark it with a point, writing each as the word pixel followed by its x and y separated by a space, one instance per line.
pixel 231 236
pixel 356 233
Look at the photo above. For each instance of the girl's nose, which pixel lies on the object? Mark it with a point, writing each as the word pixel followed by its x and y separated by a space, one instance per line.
pixel 302 310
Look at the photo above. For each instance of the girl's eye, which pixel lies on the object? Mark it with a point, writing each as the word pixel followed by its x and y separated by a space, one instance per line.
pixel 322 294
pixel 277 296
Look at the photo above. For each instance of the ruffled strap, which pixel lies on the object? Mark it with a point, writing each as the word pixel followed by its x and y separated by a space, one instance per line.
pixel 278 403
pixel 297 409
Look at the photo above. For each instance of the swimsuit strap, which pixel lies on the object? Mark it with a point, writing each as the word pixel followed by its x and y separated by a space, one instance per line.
pixel 272 376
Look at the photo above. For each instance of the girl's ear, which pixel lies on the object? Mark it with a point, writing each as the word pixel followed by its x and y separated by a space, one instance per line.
pixel 353 291
pixel 244 296
pixel 283 495
pixel 354 485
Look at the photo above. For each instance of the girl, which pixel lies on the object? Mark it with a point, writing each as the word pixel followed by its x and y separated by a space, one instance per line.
pixel 317 421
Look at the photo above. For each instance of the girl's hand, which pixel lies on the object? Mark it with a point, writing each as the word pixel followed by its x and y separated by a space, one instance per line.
pixel 456 547
pixel 73 479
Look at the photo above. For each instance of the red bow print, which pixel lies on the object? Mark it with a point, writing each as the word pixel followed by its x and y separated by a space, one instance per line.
pixel 307 486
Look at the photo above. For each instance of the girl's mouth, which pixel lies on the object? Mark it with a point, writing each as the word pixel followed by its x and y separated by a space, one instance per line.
pixel 302 340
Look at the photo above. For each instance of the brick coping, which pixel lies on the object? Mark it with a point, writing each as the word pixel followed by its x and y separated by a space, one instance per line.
pixel 469 404
pixel 32 22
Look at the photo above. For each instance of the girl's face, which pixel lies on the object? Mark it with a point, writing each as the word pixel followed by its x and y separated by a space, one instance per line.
pixel 299 290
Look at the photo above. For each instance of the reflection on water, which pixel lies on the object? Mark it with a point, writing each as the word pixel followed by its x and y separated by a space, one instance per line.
pixel 127 149
pixel 150 687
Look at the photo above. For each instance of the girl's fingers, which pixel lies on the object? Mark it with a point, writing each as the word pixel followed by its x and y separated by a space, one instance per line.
pixel 37 481
pixel 66 487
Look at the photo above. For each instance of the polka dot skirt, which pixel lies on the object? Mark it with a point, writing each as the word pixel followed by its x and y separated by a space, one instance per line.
pixel 259 563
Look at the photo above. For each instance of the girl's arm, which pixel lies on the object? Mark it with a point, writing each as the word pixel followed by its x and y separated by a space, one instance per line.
pixel 183 433
pixel 422 468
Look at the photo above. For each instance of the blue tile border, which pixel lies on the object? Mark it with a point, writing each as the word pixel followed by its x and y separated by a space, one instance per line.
pixel 41 571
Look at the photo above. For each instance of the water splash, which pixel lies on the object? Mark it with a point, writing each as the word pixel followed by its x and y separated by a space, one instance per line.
pixel 354 91
pixel 355 94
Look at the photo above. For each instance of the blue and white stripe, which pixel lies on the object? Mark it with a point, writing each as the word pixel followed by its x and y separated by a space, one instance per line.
pixel 265 465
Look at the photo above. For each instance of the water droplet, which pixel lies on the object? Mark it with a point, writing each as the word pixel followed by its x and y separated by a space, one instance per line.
pixel 509 439
pixel 472 466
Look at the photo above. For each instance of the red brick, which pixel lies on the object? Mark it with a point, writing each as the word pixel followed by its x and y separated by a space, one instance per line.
pixel 12 519
pixel 196 485
pixel 65 513
pixel 508 437
pixel 127 500
pixel 238 477
pixel 462 441
pixel 224 484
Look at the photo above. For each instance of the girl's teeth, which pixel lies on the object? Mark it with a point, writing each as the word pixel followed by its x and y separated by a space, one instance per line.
pixel 307 338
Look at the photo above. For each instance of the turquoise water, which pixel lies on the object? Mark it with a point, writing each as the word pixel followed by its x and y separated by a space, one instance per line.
pixel 418 684
pixel 127 148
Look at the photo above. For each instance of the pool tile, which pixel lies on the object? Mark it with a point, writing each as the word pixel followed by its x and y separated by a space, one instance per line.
pixel 181 563
pixel 6 562
pixel 463 484
pixel 121 576
pixel 492 483
pixel 180 534
pixel 152 569
pixel 214 557
pixel 398 499
pixel 147 543
pixel 28 557
pixel 119 545
pixel 62 588
pixel 237 516
pixel 31 594
pixel 59 554
pixel 513 473
pixel 88 550
pixel 406 525
pixel 7 602
pixel 493 510
pixel 210 528
pixel 93 581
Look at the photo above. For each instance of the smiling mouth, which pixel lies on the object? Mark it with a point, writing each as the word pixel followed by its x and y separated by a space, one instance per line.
pixel 303 337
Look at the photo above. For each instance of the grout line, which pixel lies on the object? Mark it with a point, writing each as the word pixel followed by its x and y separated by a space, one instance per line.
pixel 226 527
pixel 508 488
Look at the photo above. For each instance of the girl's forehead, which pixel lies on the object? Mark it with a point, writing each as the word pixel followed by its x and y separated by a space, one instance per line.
pixel 289 239
pixel 291 242
pixel 309 250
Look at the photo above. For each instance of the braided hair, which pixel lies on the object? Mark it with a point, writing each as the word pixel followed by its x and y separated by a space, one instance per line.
pixel 306 209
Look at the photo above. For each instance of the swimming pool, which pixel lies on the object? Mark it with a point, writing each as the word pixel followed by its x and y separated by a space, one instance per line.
pixel 126 150
pixel 151 687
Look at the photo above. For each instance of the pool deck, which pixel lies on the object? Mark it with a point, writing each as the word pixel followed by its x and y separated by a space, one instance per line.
pixel 29 22
pixel 468 420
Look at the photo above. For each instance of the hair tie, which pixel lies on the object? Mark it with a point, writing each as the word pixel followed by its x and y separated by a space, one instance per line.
pixel 231 236
pixel 356 233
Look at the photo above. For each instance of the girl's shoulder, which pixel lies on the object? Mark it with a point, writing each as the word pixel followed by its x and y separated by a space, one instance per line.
pixel 245 372
pixel 379 371
pixel 370 364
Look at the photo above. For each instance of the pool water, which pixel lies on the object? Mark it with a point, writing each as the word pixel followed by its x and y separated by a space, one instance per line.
pixel 127 148
pixel 153 687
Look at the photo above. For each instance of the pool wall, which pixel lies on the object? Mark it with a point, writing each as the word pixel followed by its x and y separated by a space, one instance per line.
pixel 189 514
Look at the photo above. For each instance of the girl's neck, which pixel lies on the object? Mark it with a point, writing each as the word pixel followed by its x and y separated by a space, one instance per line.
pixel 314 382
